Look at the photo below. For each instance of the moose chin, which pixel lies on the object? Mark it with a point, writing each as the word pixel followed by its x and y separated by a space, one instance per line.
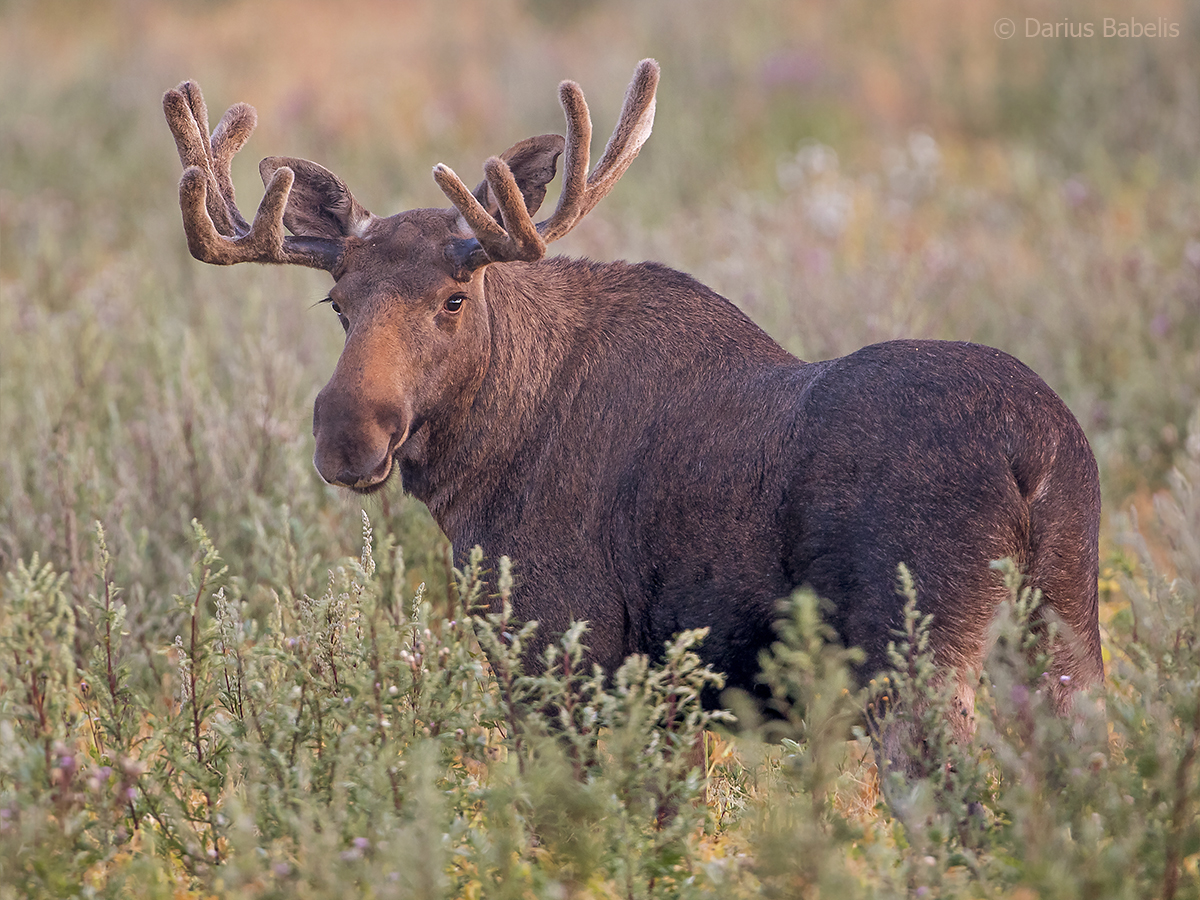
pixel 649 458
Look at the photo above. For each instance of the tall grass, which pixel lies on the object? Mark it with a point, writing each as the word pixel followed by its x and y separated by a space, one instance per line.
pixel 845 173
pixel 357 740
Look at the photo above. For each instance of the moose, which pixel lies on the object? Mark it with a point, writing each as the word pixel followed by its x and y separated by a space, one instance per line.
pixel 647 456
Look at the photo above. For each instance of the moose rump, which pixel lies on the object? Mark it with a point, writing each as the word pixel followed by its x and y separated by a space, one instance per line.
pixel 945 457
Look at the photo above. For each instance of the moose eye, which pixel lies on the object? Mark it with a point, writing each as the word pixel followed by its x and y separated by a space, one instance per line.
pixel 454 302
pixel 341 317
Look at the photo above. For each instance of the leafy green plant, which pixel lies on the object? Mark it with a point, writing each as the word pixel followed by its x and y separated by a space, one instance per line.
pixel 358 737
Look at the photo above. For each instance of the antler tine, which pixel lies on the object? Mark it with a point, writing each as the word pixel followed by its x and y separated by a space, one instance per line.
pixel 575 163
pixel 632 130
pixel 216 230
pixel 187 117
pixel 230 136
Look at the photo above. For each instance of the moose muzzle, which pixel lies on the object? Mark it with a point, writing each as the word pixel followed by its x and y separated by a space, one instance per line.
pixel 358 422
pixel 355 445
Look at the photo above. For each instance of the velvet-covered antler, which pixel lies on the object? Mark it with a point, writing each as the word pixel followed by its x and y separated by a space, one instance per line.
pixel 216 231
pixel 515 237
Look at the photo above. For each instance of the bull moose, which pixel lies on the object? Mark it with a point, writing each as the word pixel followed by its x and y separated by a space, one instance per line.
pixel 650 459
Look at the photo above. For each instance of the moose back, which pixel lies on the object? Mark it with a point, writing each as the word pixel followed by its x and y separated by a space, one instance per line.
pixel 649 458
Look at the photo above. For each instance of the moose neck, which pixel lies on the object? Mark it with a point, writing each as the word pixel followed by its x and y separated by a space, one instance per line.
pixel 565 336
pixel 539 335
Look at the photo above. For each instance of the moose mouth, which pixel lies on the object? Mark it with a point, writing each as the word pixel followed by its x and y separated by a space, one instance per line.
pixel 408 447
pixel 374 482
pixel 353 478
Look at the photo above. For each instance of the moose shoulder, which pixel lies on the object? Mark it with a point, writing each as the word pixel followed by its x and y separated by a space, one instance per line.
pixel 650 459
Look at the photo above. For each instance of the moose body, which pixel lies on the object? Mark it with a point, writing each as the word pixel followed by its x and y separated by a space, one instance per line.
pixel 663 464
pixel 649 458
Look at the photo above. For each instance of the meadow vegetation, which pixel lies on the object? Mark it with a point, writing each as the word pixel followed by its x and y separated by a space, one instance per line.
pixel 221 677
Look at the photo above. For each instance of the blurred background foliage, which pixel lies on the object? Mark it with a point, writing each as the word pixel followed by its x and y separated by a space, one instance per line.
pixel 845 172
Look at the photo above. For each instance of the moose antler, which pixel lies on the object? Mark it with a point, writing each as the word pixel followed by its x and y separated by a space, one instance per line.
pixel 515 237
pixel 216 231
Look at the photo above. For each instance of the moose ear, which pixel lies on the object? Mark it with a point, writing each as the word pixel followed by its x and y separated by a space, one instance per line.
pixel 533 163
pixel 319 205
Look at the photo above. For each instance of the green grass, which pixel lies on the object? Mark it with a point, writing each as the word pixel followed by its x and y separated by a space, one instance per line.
pixel 845 174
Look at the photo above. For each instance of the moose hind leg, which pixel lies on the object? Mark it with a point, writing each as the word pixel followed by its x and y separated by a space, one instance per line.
pixel 901 735
pixel 1064 566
